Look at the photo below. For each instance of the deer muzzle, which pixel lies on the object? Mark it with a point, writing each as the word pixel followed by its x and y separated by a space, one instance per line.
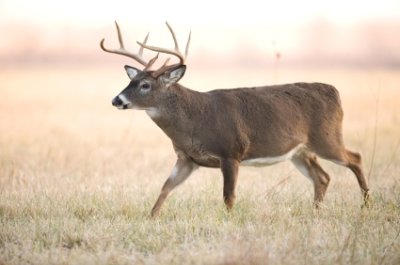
pixel 121 102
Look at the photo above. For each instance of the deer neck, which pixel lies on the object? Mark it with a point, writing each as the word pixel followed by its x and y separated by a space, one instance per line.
pixel 175 115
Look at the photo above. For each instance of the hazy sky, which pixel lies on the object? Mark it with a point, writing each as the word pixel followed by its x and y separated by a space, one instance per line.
pixel 45 28
pixel 204 12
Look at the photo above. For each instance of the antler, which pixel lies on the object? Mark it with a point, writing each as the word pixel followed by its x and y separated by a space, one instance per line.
pixel 139 56
pixel 122 51
pixel 176 51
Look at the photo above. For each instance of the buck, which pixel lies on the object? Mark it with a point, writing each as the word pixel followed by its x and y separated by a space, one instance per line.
pixel 226 128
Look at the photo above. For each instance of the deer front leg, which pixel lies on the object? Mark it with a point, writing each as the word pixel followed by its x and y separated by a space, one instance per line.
pixel 181 171
pixel 230 168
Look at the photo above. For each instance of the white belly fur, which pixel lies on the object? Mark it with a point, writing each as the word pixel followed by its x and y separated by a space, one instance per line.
pixel 265 161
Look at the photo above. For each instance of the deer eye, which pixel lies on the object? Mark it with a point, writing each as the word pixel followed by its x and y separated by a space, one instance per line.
pixel 145 87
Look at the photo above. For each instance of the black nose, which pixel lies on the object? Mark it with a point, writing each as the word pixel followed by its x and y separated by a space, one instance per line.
pixel 117 101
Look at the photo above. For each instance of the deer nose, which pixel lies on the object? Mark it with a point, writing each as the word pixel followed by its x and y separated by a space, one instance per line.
pixel 117 101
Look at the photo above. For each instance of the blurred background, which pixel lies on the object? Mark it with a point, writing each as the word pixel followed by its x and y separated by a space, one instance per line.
pixel 249 34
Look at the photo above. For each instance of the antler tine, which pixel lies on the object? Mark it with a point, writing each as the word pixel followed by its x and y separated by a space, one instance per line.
pixel 121 42
pixel 187 45
pixel 176 51
pixel 166 62
pixel 173 36
pixel 144 42
pixel 151 62
pixel 122 51
pixel 162 50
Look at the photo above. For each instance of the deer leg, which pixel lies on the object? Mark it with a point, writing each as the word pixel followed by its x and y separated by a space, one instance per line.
pixel 181 171
pixel 308 165
pixel 230 168
pixel 355 165
pixel 352 160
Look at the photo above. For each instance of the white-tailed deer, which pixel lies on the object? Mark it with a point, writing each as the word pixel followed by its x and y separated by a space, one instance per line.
pixel 253 126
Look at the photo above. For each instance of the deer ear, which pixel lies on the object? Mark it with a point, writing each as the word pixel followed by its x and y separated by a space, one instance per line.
pixel 131 71
pixel 173 75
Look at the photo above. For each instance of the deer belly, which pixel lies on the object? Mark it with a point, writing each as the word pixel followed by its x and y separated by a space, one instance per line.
pixel 270 160
pixel 206 160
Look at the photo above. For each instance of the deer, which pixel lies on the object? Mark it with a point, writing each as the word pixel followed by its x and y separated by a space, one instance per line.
pixel 246 126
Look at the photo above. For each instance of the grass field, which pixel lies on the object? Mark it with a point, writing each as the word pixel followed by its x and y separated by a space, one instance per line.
pixel 78 179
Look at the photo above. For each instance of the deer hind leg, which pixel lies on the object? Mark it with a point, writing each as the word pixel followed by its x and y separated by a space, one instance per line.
pixel 355 164
pixel 352 160
pixel 230 169
pixel 306 162
pixel 181 171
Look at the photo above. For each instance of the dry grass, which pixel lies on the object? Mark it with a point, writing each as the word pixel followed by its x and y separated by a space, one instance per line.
pixel 78 179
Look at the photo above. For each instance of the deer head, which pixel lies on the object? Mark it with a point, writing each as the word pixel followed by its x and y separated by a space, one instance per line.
pixel 148 87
